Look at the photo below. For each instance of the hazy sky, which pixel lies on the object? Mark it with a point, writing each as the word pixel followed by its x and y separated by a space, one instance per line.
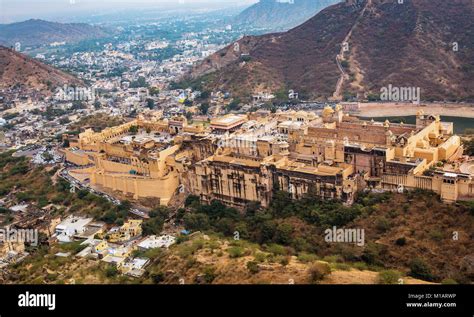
pixel 18 10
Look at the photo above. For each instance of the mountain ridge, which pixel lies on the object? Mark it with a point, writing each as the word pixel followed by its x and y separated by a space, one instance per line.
pixel 409 45
pixel 20 71
pixel 38 32
pixel 277 15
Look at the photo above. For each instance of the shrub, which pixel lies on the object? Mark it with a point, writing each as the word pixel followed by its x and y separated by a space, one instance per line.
pixel 252 266
pixel 401 241
pixel 307 257
pixel 186 251
pixel 209 274
pixel 318 271
pixel 389 277
pixel 436 235
pixel 360 266
pixel 382 224
pixel 260 257
pixel 419 269
pixel 284 260
pixel 341 266
pixel 277 249
pixel 332 258
pixel 236 252
pixel 373 254
pixel 448 281
pixel 158 277
pixel 111 271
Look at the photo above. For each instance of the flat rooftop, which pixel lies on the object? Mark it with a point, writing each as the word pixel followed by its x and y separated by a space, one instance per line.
pixel 228 121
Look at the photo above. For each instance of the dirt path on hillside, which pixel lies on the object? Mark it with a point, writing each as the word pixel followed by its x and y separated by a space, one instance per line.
pixel 340 57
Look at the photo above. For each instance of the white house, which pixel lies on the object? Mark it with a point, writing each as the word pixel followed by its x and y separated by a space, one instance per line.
pixel 153 242
pixel 69 227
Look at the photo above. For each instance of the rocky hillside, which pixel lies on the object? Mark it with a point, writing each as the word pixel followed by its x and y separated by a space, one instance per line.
pixel 203 259
pixel 280 15
pixel 18 71
pixel 36 32
pixel 421 43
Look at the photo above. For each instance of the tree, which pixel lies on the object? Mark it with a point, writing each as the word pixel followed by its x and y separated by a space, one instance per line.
pixel 234 105
pixel 205 95
pixel 189 115
pixel 283 233
pixel 152 226
pixel 160 212
pixel 226 226
pixel 242 229
pixel 204 108
pixel 109 217
pixel 192 201
pixel 196 221
pixel 419 269
pixel 133 129
pixel 125 205
pixel 150 103
pixel 81 194
pixel 268 229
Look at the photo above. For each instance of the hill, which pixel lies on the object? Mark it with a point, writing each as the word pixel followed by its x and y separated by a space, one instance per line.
pixel 425 44
pixel 278 15
pixel 36 32
pixel 18 71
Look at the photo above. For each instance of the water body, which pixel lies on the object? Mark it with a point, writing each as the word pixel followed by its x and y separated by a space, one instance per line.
pixel 460 123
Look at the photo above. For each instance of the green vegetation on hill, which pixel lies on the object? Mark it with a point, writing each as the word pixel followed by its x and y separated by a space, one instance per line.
pixel 297 228
pixel 286 221
pixel 34 185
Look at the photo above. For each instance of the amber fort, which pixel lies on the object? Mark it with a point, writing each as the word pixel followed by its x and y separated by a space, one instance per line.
pixel 238 159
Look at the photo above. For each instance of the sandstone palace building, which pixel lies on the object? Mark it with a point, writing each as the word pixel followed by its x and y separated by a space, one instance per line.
pixel 242 158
